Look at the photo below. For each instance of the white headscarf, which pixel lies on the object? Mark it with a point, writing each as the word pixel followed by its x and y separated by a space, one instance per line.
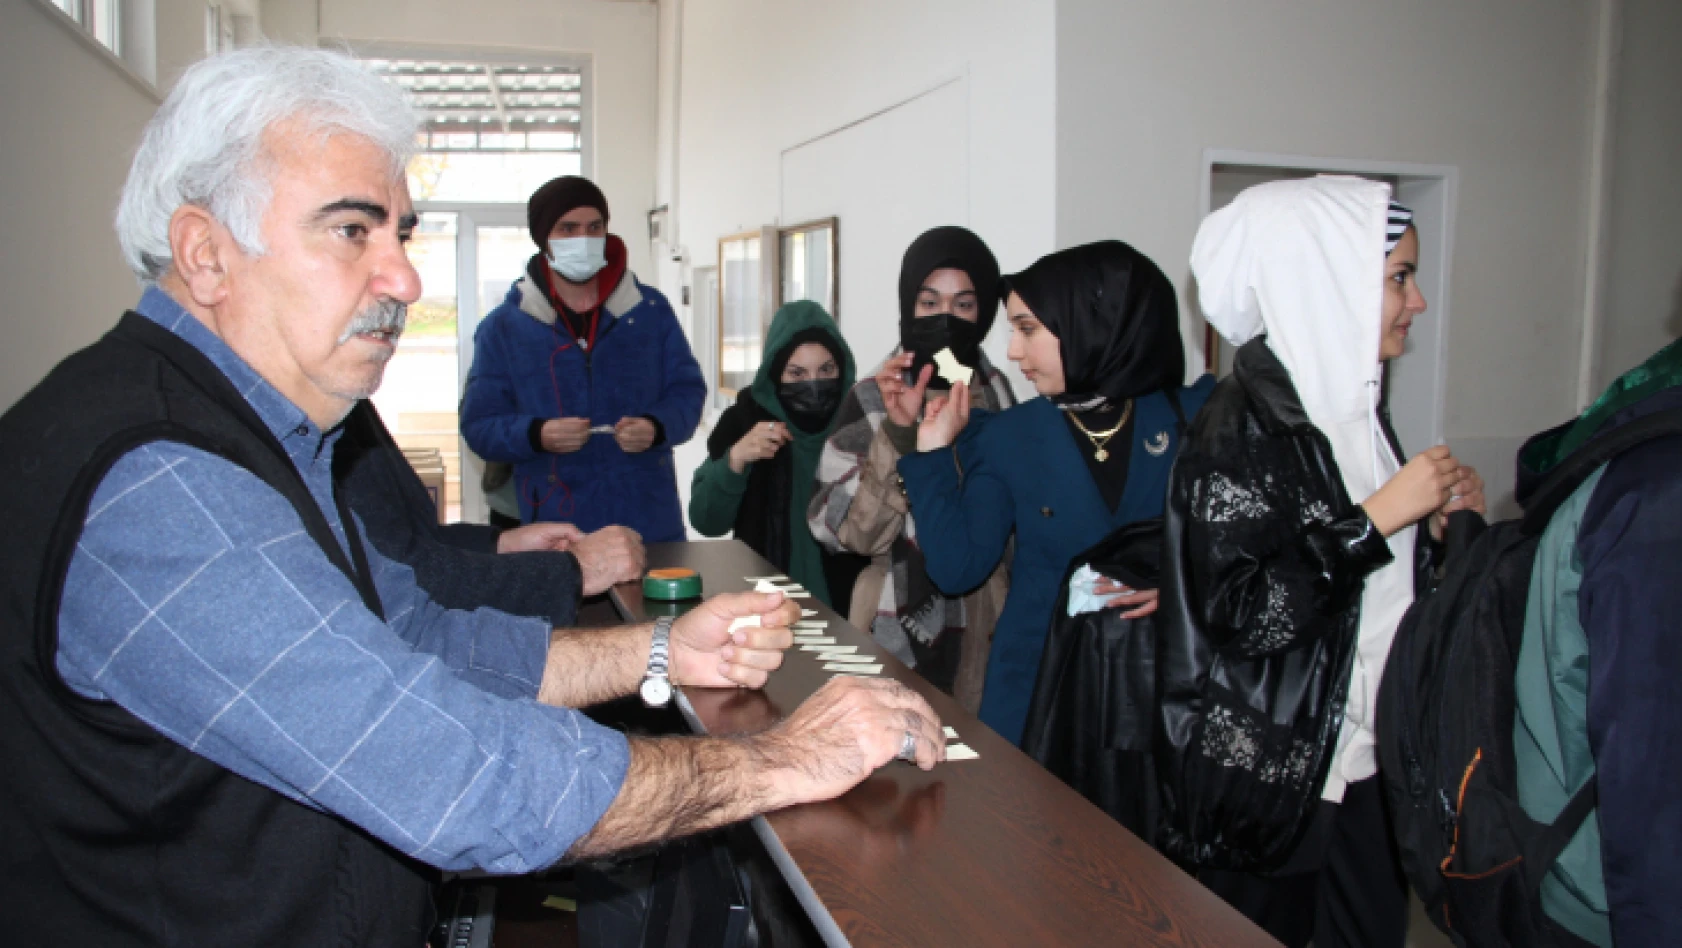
pixel 1303 261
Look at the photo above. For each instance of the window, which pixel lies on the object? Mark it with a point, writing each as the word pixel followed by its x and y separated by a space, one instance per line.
pixel 493 131
pixel 101 19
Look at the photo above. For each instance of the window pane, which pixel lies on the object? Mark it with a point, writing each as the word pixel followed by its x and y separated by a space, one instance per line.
pixel 741 335
pixel 106 23
pixel 487 177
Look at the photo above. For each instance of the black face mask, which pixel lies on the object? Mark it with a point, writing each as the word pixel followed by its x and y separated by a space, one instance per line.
pixel 810 404
pixel 928 335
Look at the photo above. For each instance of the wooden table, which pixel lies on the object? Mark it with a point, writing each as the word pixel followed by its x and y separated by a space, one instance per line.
pixel 993 851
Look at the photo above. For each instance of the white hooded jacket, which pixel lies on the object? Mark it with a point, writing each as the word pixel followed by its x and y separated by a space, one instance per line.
pixel 1303 262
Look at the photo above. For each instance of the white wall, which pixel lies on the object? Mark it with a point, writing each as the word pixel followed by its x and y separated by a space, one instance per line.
pixel 1643 297
pixel 618 36
pixel 759 77
pixel 1500 90
pixel 72 119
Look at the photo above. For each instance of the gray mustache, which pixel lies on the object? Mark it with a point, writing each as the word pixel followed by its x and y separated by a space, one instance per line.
pixel 384 316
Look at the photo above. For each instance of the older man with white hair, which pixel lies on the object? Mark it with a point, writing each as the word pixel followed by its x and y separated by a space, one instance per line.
pixel 224 719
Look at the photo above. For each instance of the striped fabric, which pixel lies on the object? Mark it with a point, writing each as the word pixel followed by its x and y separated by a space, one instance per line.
pixel 1396 224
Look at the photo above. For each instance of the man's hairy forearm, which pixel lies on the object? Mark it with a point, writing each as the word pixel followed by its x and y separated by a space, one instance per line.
pixel 679 786
pixel 589 666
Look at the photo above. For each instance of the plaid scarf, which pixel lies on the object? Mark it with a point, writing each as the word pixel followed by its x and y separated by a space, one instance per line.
pixel 911 614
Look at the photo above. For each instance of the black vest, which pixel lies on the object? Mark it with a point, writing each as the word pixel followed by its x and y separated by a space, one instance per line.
pixel 110 833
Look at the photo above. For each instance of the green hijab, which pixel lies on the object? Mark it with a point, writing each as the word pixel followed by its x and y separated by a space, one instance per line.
pixel 795 324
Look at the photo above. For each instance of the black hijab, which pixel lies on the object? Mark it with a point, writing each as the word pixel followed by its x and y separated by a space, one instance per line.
pixel 1115 317
pixel 959 249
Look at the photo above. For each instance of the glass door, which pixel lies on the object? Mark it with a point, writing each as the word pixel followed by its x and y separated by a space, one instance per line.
pixel 467 256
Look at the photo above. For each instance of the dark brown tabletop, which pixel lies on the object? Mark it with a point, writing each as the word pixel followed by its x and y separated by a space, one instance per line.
pixel 992 851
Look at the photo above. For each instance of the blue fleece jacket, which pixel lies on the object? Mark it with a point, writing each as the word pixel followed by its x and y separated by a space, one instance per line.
pixel 527 367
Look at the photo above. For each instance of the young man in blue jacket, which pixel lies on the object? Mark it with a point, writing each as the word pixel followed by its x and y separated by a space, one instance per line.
pixel 583 379
pixel 1598 669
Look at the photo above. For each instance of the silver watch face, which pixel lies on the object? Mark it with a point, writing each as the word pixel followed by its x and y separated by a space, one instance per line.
pixel 656 691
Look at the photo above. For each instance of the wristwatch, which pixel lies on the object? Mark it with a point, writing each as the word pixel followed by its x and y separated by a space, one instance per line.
pixel 657 684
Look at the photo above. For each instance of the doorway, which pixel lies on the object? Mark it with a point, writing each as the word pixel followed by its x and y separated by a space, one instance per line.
pixel 468 255
pixel 1415 381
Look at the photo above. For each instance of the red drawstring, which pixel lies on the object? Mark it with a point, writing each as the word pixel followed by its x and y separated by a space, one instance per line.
pixel 564 508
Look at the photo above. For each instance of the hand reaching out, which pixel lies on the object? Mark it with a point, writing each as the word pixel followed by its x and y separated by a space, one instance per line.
pixel 901 401
pixel 944 420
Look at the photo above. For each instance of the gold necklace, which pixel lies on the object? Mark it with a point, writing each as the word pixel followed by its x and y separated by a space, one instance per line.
pixel 1101 438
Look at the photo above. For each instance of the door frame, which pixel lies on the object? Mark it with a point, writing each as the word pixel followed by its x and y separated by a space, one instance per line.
pixel 469 218
pixel 1432 191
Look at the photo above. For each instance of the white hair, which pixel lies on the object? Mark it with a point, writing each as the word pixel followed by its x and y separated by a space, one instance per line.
pixel 205 144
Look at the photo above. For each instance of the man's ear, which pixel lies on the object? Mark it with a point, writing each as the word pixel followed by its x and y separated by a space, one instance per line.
pixel 198 248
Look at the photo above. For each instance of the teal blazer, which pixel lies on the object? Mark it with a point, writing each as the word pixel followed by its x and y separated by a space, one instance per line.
pixel 1021 472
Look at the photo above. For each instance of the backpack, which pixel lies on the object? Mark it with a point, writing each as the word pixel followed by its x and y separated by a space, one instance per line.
pixel 1446 711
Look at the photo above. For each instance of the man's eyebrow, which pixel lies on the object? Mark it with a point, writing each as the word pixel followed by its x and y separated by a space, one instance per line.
pixel 1409 266
pixel 408 222
pixel 377 212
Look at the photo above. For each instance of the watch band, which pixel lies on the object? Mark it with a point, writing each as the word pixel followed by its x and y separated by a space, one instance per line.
pixel 660 651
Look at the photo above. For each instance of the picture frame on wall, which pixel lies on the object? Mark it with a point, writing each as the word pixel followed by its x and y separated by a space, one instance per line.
pixel 746 294
pixel 809 264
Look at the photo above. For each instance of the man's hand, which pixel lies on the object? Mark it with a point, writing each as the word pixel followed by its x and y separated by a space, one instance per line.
pixel 707 654
pixel 564 435
pixel 843 733
pixel 635 435
pixel 608 557
pixel 535 537
pixel 944 420
pixel 901 401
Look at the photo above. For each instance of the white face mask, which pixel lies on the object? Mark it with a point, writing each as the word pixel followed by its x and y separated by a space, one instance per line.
pixel 578 258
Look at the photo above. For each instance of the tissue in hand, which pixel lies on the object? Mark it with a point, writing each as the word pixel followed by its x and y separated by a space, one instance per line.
pixel 1082 598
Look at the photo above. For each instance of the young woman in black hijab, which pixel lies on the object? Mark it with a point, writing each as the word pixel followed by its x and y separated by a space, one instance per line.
pixel 948 298
pixel 1096 330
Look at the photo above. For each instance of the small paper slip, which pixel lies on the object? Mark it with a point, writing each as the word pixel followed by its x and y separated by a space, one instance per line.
pixel 601 429
pixel 950 368
pixel 788 588
pixel 951 733
pixel 828 649
pixel 815 640
pixel 808 612
pixel 802 594
pixel 741 622
pixel 765 586
pixel 960 752
pixel 843 657
pixel 853 669
pixel 766 579
pixel 811 624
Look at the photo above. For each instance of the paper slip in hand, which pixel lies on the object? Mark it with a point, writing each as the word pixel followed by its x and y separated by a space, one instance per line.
pixel 951 369
pixel 960 752
pixel 766 579
pixel 742 622
pixel 601 429
pixel 765 586
pixel 828 649
pixel 815 640
pixel 808 612
pixel 951 733
pixel 795 593
pixel 853 669
pixel 811 624
pixel 841 657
